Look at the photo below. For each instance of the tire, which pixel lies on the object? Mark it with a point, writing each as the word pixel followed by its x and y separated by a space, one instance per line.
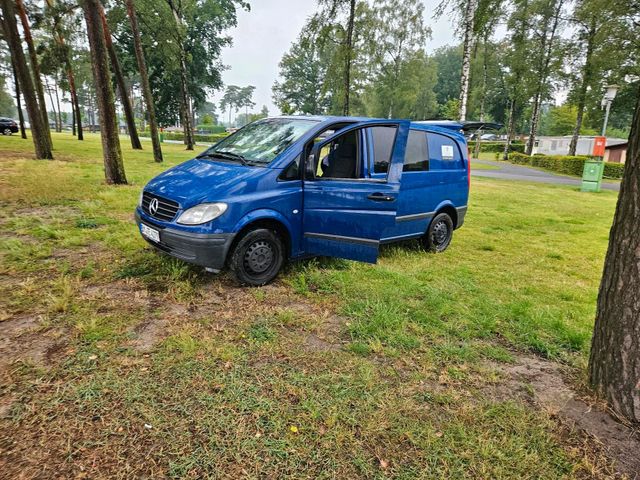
pixel 439 234
pixel 7 131
pixel 257 257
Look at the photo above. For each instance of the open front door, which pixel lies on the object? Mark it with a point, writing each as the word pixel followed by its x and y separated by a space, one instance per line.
pixel 345 208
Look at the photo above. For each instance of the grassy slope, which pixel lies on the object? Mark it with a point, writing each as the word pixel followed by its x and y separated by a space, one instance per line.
pixel 235 390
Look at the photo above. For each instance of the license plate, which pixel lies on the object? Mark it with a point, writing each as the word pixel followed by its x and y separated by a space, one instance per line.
pixel 150 233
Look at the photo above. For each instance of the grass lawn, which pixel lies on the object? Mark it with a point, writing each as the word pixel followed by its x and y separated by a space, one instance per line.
pixel 124 363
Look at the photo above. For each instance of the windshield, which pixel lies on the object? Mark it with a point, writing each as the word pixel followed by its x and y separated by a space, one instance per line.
pixel 261 141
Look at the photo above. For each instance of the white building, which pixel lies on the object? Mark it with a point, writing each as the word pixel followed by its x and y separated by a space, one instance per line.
pixel 560 145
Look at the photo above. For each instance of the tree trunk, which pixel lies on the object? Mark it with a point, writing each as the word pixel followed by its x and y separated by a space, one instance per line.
pixel 53 104
pixel 122 87
pixel 587 73
pixel 113 164
pixel 23 132
pixel 510 128
pixel 55 86
pixel 614 365
pixel 144 81
pixel 485 76
pixel 73 121
pixel 35 67
pixel 348 56
pixel 39 135
pixel 469 15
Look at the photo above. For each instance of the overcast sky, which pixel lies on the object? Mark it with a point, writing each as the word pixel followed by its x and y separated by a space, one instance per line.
pixel 265 33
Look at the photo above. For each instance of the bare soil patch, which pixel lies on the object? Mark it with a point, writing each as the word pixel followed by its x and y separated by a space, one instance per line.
pixel 543 383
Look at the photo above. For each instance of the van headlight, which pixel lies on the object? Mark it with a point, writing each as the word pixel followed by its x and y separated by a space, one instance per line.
pixel 203 213
pixel 140 199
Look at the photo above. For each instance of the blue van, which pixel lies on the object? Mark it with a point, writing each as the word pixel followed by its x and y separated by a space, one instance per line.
pixel 296 186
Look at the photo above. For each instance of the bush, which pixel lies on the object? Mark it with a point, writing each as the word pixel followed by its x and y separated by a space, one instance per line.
pixel 213 138
pixel 569 165
pixel 498 147
pixel 208 128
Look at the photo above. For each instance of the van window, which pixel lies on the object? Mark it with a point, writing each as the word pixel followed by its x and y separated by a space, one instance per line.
pixel 416 157
pixel 340 158
pixel 383 139
pixel 444 152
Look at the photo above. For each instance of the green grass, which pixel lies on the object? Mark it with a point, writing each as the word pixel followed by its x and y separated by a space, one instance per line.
pixel 339 370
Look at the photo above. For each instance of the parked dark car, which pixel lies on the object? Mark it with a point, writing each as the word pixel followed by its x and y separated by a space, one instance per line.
pixel 8 126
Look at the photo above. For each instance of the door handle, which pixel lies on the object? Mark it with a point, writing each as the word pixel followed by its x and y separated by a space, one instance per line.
pixel 380 197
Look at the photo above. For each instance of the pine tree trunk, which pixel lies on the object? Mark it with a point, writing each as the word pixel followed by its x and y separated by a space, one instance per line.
pixel 614 365
pixel 53 104
pixel 470 11
pixel 35 67
pixel 23 132
pixel 144 81
pixel 122 87
pixel 485 76
pixel 112 154
pixel 348 57
pixel 55 86
pixel 39 135
pixel 587 72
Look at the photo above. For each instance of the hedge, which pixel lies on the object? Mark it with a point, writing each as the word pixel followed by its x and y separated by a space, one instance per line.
pixel 497 147
pixel 214 138
pixel 570 165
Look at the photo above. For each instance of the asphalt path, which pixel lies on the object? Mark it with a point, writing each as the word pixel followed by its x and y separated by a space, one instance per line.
pixel 509 171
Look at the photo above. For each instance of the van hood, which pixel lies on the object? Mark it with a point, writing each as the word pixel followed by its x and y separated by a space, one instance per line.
pixel 200 180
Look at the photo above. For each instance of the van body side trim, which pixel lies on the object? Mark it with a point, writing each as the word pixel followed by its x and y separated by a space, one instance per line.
pixel 339 238
pixel 415 216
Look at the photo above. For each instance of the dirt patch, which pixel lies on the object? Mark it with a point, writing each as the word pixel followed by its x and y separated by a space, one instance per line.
pixel 543 383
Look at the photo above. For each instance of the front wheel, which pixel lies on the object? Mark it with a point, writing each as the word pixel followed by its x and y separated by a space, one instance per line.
pixel 257 257
pixel 7 131
pixel 439 234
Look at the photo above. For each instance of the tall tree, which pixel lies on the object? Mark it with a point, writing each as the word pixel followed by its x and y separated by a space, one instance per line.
pixel 144 80
pixel 39 135
pixel 614 365
pixel 548 21
pixel 111 152
pixel 35 69
pixel 58 12
pixel 120 82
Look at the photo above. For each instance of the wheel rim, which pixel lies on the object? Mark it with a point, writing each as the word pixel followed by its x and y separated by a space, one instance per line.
pixel 440 233
pixel 259 257
pixel 7 131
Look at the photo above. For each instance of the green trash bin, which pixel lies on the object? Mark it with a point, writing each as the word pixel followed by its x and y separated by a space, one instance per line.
pixel 592 175
pixel 161 137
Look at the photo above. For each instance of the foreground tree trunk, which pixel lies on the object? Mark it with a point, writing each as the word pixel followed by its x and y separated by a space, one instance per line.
pixel 122 87
pixel 35 67
pixel 23 132
pixel 469 15
pixel 111 152
pixel 39 135
pixel 144 81
pixel 614 365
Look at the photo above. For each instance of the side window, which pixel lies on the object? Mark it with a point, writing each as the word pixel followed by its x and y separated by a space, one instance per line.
pixel 444 152
pixel 383 139
pixel 340 158
pixel 416 157
pixel 292 172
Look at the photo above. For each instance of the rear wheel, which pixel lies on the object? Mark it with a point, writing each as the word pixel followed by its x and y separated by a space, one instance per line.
pixel 257 257
pixel 439 234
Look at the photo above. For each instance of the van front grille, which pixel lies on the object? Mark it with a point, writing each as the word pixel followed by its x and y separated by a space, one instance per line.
pixel 166 210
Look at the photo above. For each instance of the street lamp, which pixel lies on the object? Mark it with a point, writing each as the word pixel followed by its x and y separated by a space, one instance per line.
pixel 606 103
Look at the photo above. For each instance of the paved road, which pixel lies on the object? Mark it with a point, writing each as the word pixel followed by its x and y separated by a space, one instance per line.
pixel 509 171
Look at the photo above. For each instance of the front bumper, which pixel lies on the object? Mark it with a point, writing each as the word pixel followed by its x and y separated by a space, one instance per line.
pixel 206 250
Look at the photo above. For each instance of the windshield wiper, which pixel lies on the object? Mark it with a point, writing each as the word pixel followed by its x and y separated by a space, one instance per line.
pixel 229 155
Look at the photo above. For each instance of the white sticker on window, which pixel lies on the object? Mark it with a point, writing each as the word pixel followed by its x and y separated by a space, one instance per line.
pixel 447 152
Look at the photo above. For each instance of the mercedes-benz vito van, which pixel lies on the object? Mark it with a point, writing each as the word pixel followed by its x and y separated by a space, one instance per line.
pixel 289 187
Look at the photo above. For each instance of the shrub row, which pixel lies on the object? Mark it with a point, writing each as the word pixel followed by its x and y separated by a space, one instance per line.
pixel 570 165
pixel 213 138
pixel 497 147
